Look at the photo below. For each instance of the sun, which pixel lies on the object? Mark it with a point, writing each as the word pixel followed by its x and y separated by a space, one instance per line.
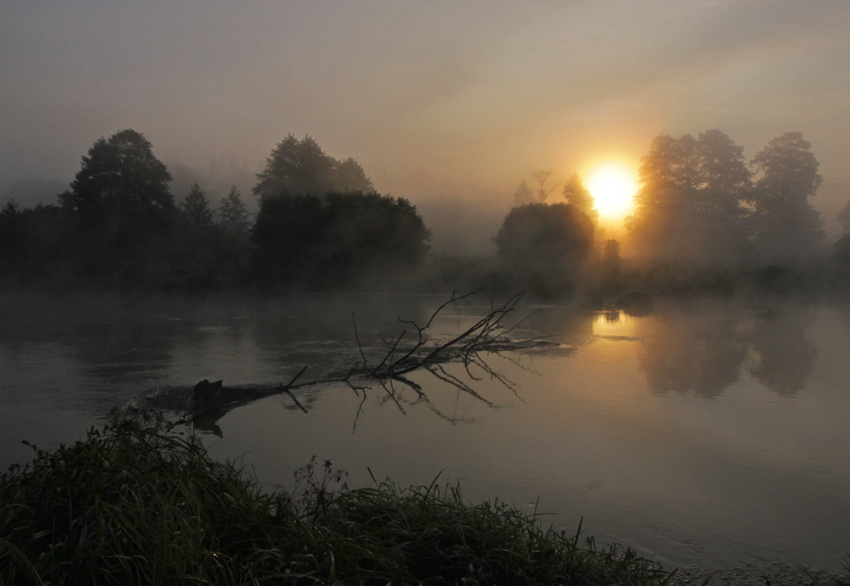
pixel 612 188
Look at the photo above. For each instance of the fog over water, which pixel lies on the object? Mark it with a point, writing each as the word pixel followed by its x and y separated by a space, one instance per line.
pixel 708 432
pixel 481 92
pixel 237 192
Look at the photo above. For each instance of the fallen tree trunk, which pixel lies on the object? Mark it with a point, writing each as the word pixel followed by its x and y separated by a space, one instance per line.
pixel 411 350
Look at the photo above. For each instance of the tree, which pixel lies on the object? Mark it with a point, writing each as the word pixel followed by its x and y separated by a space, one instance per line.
pixel 665 198
pixel 691 200
pixel 785 223
pixel 576 194
pixel 121 175
pixel 611 257
pixel 542 177
pixel 301 166
pixel 539 235
pixel 843 217
pixel 523 195
pixel 11 227
pixel 233 214
pixel 329 239
pixel 196 206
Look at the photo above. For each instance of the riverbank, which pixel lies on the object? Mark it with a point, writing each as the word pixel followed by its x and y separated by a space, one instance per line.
pixel 141 502
pixel 759 574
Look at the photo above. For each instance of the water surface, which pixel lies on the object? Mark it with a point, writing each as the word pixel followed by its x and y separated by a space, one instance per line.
pixel 707 432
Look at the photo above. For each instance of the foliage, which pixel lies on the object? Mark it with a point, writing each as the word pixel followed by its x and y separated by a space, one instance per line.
pixel 690 204
pixel 298 167
pixel 538 235
pixel 11 225
pixel 542 177
pixel 196 207
pixel 329 238
pixel 611 257
pixel 523 195
pixel 576 194
pixel 140 502
pixel 121 175
pixel 541 248
pixel 843 217
pixel 233 215
pixel 785 222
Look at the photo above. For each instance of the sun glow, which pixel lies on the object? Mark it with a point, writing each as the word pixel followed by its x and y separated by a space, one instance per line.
pixel 612 188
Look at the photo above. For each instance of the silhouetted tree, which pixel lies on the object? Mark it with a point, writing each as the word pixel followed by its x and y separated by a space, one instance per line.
pixel 540 235
pixel 121 210
pixel 724 186
pixel 542 177
pixel 843 217
pixel 233 214
pixel 301 166
pixel 785 222
pixel 690 203
pixel 121 175
pixel 329 239
pixel 576 194
pixel 196 206
pixel 842 247
pixel 349 177
pixel 182 178
pixel 664 202
pixel 523 195
pixel 611 257
pixel 11 228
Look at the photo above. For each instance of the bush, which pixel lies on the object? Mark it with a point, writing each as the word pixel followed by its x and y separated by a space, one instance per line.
pixel 329 239
pixel 543 246
pixel 141 503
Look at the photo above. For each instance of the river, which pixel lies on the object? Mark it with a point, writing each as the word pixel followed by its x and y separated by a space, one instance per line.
pixel 707 432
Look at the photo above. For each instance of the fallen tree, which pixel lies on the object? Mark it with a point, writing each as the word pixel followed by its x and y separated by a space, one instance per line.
pixel 415 348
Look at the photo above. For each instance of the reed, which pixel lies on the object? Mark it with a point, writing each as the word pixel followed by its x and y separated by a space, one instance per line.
pixel 141 502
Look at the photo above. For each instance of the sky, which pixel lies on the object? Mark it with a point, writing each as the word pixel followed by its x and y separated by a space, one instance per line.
pixel 470 90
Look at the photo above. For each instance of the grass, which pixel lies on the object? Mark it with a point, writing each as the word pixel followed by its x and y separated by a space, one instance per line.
pixel 141 502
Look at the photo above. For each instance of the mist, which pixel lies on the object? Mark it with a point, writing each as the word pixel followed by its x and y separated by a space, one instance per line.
pixel 485 92
pixel 592 255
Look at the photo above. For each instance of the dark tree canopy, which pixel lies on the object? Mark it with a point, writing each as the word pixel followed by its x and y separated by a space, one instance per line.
pixel 120 175
pixel 785 222
pixel 301 166
pixel 233 214
pixel 196 207
pixel 691 198
pixel 576 194
pixel 540 235
pixel 328 239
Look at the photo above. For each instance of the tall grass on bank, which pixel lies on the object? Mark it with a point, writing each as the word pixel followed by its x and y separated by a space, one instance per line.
pixel 141 502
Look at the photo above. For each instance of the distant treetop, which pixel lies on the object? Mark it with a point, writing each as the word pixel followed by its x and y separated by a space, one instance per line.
pixel 301 166
pixel 120 175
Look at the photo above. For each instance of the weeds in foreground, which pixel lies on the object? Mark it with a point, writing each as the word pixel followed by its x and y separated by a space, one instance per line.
pixel 141 502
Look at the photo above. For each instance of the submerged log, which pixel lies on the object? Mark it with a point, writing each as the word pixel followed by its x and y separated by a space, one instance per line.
pixel 206 391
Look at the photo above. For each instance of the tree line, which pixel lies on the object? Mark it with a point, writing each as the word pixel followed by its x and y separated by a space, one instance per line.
pixel 699 199
pixel 321 223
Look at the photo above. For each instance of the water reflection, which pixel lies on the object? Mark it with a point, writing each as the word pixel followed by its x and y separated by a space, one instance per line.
pixel 696 351
pixel 597 426
pixel 704 349
pixel 782 355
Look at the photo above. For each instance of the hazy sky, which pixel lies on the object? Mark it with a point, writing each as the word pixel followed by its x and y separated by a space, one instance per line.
pixel 484 91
